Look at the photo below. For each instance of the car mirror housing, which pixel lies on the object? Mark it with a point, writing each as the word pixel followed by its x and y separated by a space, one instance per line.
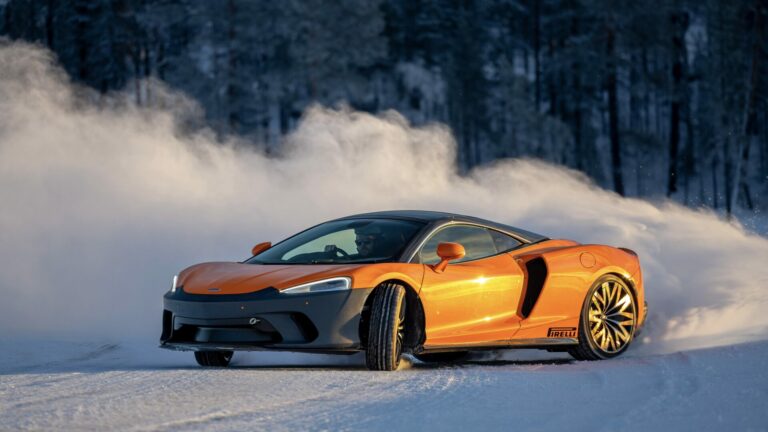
pixel 261 247
pixel 448 251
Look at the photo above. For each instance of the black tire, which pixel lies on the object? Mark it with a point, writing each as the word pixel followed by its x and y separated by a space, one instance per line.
pixel 213 358
pixel 386 331
pixel 443 357
pixel 605 327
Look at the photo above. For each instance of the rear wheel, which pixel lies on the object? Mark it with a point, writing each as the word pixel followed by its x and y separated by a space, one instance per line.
pixel 386 332
pixel 213 358
pixel 444 357
pixel 608 320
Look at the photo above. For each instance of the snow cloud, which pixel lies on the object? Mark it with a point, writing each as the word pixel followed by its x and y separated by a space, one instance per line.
pixel 103 202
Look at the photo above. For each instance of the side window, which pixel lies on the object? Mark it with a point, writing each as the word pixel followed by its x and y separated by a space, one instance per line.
pixel 477 242
pixel 503 242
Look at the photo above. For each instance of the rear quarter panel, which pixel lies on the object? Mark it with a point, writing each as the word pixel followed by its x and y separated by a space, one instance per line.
pixel 571 271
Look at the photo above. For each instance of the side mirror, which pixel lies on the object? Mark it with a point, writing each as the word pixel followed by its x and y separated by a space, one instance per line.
pixel 448 252
pixel 261 247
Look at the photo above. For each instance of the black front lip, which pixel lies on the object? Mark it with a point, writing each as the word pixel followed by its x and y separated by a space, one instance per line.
pixel 321 322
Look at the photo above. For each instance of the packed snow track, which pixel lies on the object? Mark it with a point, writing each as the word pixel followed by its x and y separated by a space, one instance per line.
pixel 75 386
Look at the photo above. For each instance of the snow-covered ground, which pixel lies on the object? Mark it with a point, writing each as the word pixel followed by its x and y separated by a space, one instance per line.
pixel 81 386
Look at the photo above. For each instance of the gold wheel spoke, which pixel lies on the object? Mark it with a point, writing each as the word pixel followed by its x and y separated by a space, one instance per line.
pixel 604 340
pixel 594 316
pixel 626 323
pixel 598 300
pixel 621 305
pixel 599 334
pixel 623 334
pixel 618 332
pixel 609 340
pixel 628 315
pixel 606 295
pixel 598 328
pixel 629 324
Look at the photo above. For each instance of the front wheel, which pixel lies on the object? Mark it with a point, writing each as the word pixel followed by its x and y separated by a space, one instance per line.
pixel 608 320
pixel 213 358
pixel 386 332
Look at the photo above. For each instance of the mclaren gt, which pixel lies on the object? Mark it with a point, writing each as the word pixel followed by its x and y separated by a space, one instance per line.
pixel 428 284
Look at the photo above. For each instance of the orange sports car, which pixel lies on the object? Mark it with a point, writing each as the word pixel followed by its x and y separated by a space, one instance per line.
pixel 434 285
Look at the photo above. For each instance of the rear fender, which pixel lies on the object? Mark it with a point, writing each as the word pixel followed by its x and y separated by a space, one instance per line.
pixel 570 272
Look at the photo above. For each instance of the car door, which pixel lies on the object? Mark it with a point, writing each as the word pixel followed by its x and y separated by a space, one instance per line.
pixel 474 301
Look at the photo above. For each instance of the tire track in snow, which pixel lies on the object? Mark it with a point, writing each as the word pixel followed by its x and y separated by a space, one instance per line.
pixel 673 384
pixel 631 393
pixel 323 388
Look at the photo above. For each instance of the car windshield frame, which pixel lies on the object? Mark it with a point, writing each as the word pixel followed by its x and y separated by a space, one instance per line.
pixel 399 232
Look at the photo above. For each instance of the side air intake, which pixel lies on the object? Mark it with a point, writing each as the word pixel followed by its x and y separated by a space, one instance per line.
pixel 537 274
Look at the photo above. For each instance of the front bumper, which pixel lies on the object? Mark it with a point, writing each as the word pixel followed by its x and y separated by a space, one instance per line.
pixel 266 319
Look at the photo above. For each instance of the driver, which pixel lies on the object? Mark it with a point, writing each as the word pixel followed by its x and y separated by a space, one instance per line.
pixel 368 240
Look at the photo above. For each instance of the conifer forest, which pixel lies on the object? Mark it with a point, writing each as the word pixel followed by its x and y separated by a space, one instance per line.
pixel 656 99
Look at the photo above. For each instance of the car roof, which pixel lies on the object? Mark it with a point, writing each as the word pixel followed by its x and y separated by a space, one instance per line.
pixel 437 217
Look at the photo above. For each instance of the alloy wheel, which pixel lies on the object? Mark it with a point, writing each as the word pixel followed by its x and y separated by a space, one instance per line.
pixel 612 316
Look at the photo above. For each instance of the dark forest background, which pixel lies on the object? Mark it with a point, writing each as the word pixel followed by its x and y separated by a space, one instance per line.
pixel 648 98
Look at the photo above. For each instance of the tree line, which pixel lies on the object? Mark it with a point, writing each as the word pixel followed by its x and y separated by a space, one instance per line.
pixel 648 98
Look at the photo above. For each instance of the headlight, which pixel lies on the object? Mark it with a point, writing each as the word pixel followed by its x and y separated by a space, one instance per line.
pixel 325 285
pixel 175 280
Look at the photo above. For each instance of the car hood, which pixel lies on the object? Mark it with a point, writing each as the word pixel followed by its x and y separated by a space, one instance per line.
pixel 217 278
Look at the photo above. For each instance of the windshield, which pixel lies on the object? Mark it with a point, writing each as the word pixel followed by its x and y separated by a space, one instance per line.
pixel 343 242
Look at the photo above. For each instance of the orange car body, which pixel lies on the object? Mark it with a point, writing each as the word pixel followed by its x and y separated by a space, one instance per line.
pixel 530 296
